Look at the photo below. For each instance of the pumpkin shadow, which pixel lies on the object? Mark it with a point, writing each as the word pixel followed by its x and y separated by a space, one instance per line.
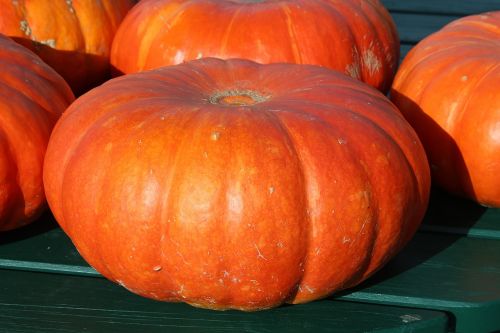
pixel 45 223
pixel 448 216
pixel 82 71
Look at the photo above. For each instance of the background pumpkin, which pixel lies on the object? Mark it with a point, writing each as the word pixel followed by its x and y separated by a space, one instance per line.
pixel 32 97
pixel 448 89
pixel 74 37
pixel 229 184
pixel 355 37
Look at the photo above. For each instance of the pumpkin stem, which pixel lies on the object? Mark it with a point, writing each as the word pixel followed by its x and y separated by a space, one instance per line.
pixel 237 97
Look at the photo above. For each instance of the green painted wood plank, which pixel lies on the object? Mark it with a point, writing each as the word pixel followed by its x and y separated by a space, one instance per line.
pixel 414 27
pixel 445 7
pixel 405 48
pixel 41 246
pixel 457 274
pixel 40 302
pixel 451 214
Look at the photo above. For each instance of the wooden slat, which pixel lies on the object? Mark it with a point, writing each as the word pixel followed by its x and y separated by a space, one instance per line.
pixel 414 27
pixel 442 271
pixel 446 7
pixel 40 302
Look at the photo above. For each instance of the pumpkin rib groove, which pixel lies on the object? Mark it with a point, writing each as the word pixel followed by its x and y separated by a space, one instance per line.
pixel 466 98
pixel 361 70
pixel 7 158
pixel 389 65
pixel 165 209
pixel 40 76
pixel 355 275
pixel 107 14
pixel 228 30
pixel 461 99
pixel 80 30
pixel 425 57
pixel 367 67
pixel 294 45
pixel 290 143
pixel 383 132
pixel 174 16
pixel 87 136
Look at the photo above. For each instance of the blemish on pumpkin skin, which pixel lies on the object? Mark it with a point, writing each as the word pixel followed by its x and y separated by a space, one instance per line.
pixel 271 190
pixel 48 42
pixel 371 62
pixel 210 300
pixel 26 29
pixel 179 57
pixel 353 71
pixel 71 9
pixel 341 141
pixel 309 289
pixel 214 136
pixel 157 268
pixel 180 292
pixel 259 254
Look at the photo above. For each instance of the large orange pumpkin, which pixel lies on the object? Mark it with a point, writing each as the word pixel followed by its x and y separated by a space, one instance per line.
pixel 74 36
pixel 448 87
pixel 229 184
pixel 356 37
pixel 32 97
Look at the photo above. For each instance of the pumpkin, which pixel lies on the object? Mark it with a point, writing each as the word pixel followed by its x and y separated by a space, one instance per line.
pixel 232 184
pixel 448 89
pixel 32 97
pixel 356 37
pixel 74 36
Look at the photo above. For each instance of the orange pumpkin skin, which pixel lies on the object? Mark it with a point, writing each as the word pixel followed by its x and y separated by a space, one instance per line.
pixel 32 97
pixel 173 184
pixel 356 37
pixel 448 89
pixel 74 37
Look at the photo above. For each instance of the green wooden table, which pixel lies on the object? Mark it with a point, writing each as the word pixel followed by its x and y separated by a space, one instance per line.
pixel 446 280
